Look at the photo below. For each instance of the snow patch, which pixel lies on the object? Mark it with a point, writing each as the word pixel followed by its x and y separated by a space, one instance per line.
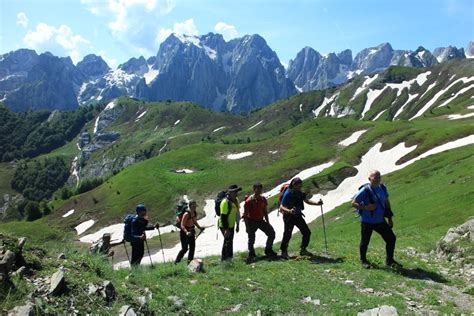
pixel 365 84
pixel 253 126
pixel 239 155
pixel 471 107
pixel 326 101
pixel 301 107
pixel 352 139
pixel 151 74
pixel 184 171
pixel 462 91
pixel 218 129
pixel 140 116
pixel 69 213
pixel 177 122
pixel 460 116
pixel 439 94
pixel 272 152
pixel 400 110
pixel 371 96
pixel 84 226
pixel 379 115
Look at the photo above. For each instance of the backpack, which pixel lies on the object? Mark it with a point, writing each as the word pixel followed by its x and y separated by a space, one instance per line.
pixel 387 211
pixel 180 210
pixel 283 190
pixel 127 229
pixel 217 202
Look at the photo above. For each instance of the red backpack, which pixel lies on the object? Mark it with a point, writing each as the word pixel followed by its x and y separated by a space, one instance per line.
pixel 283 189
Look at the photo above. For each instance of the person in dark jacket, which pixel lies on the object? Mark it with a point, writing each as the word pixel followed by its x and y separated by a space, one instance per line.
pixel 139 226
pixel 292 206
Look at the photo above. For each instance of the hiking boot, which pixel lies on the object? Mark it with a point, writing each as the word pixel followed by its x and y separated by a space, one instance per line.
pixel 366 264
pixel 270 253
pixel 393 264
pixel 250 260
pixel 304 252
pixel 284 255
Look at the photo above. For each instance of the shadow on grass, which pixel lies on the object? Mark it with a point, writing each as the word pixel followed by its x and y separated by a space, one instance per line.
pixel 421 274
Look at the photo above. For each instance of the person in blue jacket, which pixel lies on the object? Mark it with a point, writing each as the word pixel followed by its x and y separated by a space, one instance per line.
pixel 373 206
pixel 139 226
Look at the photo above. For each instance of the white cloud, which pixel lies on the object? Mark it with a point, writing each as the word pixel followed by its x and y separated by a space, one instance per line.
pixel 132 22
pixel 22 19
pixel 186 27
pixel 60 41
pixel 112 62
pixel 228 31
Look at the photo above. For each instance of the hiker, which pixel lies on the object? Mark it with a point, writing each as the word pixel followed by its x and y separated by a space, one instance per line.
pixel 139 225
pixel 103 246
pixel 292 206
pixel 228 219
pixel 373 206
pixel 255 210
pixel 187 235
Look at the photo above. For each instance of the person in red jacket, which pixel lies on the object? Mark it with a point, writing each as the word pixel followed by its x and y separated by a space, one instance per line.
pixel 256 217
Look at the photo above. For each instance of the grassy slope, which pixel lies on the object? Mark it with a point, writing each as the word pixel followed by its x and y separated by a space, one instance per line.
pixel 6 175
pixel 428 197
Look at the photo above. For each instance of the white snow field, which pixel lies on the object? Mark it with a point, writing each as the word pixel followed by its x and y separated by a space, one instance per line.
pixel 239 155
pixel 253 126
pixel 184 171
pixel 69 213
pixel 81 228
pixel 210 241
pixel 352 139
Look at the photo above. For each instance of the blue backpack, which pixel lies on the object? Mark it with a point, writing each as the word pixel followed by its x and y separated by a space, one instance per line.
pixel 373 197
pixel 127 229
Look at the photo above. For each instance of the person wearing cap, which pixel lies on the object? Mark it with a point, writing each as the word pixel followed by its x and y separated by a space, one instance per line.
pixel 187 235
pixel 292 206
pixel 256 217
pixel 139 226
pixel 228 219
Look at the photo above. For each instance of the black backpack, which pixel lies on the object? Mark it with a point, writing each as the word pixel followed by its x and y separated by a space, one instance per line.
pixel 127 229
pixel 217 202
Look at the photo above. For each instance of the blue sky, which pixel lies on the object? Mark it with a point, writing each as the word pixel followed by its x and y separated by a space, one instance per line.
pixel 120 29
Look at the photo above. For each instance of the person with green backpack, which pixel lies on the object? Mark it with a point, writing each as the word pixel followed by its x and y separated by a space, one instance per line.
pixel 229 218
pixel 187 222
pixel 373 206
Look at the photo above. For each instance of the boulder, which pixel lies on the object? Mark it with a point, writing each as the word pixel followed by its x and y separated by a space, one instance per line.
pixel 383 310
pixel 176 300
pixel 20 272
pixel 25 310
pixel 21 243
pixel 57 283
pixel 196 266
pixel 127 310
pixel 61 256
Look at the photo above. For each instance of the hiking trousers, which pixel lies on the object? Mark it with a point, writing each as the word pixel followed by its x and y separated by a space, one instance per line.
pixel 228 245
pixel 387 234
pixel 266 228
pixel 138 250
pixel 187 242
pixel 290 222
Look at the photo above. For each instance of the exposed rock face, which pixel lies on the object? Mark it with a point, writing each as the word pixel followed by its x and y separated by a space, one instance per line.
pixel 443 54
pixel 92 67
pixel 374 58
pixel 419 58
pixel 469 50
pixel 449 246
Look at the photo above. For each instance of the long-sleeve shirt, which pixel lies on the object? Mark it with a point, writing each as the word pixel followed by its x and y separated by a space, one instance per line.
pixel 139 225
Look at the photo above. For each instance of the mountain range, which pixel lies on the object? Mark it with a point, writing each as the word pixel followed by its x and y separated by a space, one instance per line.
pixel 237 76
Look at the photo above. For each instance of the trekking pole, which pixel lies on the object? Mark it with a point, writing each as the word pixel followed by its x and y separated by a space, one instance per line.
pixel 199 234
pixel 161 243
pixel 149 254
pixel 324 228
pixel 126 251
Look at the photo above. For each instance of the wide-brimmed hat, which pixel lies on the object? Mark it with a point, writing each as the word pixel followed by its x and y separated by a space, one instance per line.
pixel 234 188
